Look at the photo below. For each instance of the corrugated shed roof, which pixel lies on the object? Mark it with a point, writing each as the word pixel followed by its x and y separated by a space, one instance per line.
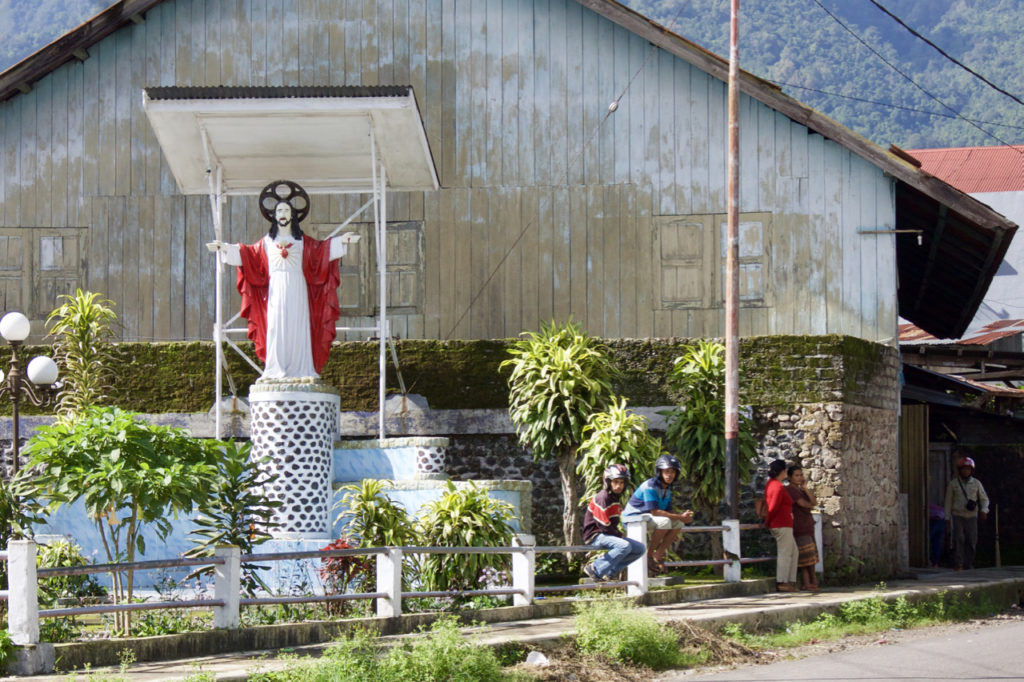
pixel 975 169
pixel 911 333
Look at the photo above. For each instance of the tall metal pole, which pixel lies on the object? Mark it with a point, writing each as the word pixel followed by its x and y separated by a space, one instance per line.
pixel 732 276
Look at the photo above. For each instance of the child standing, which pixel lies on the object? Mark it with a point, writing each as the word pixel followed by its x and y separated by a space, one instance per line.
pixel 601 527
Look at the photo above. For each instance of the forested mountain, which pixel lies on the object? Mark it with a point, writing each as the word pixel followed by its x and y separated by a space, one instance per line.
pixel 801 45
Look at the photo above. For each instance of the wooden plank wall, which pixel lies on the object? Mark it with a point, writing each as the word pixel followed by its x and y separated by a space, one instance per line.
pixel 547 203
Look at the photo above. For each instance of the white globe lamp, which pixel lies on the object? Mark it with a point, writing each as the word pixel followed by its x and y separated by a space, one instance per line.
pixel 15 327
pixel 42 371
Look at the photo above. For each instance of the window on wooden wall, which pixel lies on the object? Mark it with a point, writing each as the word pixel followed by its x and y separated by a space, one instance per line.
pixel 359 279
pixel 38 265
pixel 689 259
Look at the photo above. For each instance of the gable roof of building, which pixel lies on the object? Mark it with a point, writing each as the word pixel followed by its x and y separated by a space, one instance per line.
pixel 943 276
pixel 975 169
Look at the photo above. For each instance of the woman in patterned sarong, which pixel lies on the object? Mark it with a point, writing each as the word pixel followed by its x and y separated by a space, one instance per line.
pixel 803 527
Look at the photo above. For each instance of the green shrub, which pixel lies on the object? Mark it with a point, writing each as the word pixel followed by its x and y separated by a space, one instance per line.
pixel 622 632
pixel 440 654
pixel 466 517
pixel 443 654
pixel 370 516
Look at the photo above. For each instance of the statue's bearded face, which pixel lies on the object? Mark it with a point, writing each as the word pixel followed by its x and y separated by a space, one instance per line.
pixel 283 214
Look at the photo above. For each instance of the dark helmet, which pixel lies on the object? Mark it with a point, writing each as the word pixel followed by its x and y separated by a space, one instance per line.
pixel 615 472
pixel 667 462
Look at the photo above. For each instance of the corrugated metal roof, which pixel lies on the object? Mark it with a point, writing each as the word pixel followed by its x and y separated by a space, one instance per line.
pixel 910 333
pixel 975 169
pixel 172 92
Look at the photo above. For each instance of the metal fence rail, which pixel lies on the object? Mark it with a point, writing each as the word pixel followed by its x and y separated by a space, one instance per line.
pixel 23 576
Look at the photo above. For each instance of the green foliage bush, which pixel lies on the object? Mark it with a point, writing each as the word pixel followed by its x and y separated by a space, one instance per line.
pixel 442 653
pixel 622 632
pixel 371 517
pixel 235 511
pixel 465 517
pixel 616 435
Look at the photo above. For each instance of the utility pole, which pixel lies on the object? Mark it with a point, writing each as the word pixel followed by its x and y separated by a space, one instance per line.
pixel 732 276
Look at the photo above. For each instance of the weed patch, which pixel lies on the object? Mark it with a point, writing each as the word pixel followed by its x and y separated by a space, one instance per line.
pixel 867 616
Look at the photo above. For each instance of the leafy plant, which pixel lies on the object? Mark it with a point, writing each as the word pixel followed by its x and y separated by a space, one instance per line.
pixel 615 435
pixel 235 512
pixel 129 473
pixel 18 512
pixel 61 554
pixel 695 430
pixel 560 377
pixel 338 572
pixel 462 518
pixel 443 654
pixel 622 632
pixel 6 648
pixel 370 516
pixel 81 327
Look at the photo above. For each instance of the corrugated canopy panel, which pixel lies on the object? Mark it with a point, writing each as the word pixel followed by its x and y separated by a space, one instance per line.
pixel 319 137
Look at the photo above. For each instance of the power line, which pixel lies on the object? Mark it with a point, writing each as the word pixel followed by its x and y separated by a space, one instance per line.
pixel 947 56
pixel 911 80
pixel 893 106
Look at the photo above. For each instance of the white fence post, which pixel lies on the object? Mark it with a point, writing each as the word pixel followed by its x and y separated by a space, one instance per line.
pixel 389 581
pixel 637 571
pixel 227 586
pixel 22 600
pixel 524 566
pixel 733 572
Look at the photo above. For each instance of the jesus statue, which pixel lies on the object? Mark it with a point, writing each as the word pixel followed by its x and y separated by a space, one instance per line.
pixel 289 285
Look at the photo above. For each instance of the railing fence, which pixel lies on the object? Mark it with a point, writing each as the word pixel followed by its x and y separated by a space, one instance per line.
pixel 23 611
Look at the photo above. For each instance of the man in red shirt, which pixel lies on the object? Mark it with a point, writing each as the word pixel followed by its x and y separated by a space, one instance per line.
pixel 780 522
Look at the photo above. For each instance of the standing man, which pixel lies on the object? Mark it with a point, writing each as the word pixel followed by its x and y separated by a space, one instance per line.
pixel 966 502
pixel 289 285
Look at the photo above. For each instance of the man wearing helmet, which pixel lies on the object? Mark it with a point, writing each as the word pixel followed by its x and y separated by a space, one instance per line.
pixel 966 502
pixel 654 497
pixel 601 527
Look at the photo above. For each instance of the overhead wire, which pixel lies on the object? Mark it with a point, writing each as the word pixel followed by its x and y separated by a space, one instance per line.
pixel 890 105
pixel 947 55
pixel 911 80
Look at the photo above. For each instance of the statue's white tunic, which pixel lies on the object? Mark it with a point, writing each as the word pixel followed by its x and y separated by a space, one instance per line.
pixel 289 348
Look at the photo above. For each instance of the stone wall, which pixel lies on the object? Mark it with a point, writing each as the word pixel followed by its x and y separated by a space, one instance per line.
pixel 849 455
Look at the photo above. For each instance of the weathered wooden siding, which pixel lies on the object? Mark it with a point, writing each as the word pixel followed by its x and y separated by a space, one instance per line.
pixel 549 206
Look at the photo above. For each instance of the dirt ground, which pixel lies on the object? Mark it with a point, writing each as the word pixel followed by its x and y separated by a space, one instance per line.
pixel 566 663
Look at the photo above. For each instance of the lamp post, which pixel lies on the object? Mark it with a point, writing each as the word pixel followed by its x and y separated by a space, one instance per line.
pixel 40 386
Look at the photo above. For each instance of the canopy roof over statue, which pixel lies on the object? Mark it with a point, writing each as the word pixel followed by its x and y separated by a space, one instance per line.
pixel 225 141
pixel 325 138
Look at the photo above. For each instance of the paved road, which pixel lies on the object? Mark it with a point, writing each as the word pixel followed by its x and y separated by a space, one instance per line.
pixel 994 652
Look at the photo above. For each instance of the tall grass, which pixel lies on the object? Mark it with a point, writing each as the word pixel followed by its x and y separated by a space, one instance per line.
pixel 865 616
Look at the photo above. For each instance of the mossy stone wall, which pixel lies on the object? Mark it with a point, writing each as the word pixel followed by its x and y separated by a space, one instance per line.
pixel 776 371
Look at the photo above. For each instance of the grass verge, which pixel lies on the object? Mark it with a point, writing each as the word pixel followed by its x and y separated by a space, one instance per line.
pixel 865 616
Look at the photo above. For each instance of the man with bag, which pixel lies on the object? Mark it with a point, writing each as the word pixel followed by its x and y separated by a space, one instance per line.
pixel 966 502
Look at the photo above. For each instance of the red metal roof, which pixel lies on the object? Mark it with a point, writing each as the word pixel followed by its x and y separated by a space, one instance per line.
pixel 975 169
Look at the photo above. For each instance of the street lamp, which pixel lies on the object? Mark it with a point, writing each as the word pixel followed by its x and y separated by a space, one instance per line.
pixel 40 388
